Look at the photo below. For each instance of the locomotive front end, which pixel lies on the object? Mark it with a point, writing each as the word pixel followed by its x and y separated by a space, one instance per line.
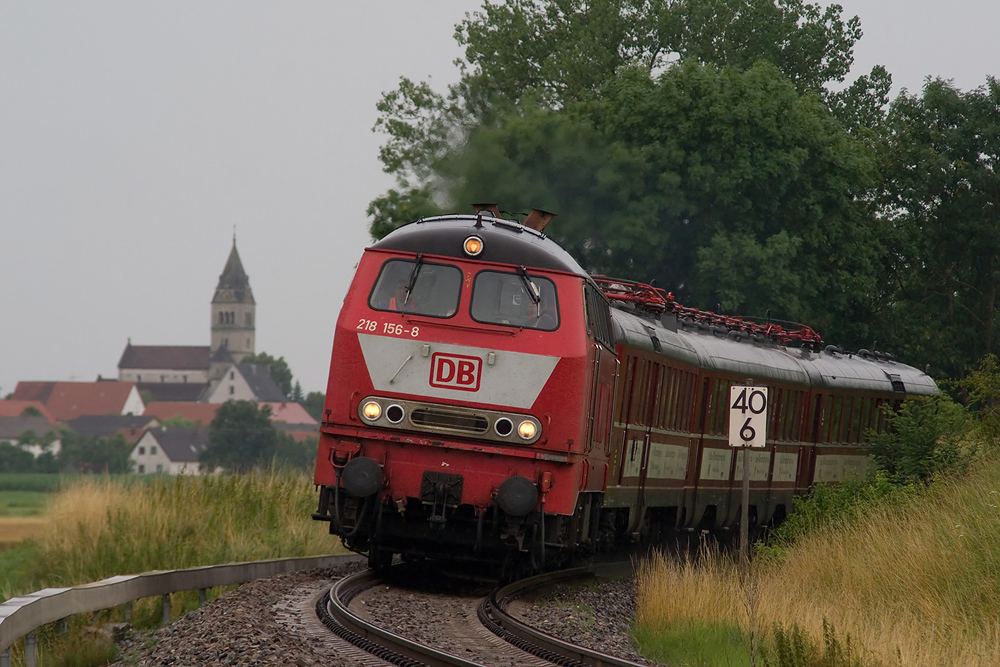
pixel 454 416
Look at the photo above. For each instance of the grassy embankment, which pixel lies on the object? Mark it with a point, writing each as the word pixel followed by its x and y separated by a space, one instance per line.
pixel 96 528
pixel 915 583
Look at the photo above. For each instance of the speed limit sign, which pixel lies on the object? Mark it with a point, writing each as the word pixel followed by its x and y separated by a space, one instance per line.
pixel 747 416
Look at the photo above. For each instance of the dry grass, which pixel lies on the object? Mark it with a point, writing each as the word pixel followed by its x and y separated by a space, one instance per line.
pixel 917 585
pixel 98 528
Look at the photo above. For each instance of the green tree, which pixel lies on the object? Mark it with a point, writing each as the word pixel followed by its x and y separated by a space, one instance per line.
pixel 313 404
pixel 724 185
pixel 925 439
pixel 278 368
pixel 241 437
pixel 91 454
pixel 942 202
pixel 557 54
pixel 15 459
pixel 291 453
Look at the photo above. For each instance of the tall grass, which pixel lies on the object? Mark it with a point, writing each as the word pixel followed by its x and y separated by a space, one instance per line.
pixel 914 583
pixel 101 527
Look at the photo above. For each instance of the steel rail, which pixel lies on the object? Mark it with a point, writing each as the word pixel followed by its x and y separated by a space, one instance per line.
pixel 333 610
pixel 493 614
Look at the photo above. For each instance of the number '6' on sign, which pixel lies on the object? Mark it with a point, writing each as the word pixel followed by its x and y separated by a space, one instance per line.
pixel 747 416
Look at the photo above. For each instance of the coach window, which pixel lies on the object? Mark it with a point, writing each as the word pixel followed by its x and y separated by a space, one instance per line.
pixel 417 287
pixel 515 299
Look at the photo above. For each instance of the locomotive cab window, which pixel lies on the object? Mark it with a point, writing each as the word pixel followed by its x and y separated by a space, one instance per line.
pixel 417 287
pixel 515 299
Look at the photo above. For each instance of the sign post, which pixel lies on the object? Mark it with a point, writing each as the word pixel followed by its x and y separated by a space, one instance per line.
pixel 747 429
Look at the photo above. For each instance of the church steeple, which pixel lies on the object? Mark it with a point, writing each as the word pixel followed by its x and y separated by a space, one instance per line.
pixel 233 310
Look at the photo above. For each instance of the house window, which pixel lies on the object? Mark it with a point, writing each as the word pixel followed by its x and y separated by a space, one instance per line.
pixel 142 469
pixel 138 377
pixel 232 375
pixel 142 451
pixel 249 320
pixel 232 390
pixel 152 450
pixel 159 468
pixel 185 378
pixel 163 378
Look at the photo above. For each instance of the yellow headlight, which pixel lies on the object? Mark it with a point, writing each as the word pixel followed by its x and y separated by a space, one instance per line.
pixel 526 430
pixel 372 410
pixel 473 246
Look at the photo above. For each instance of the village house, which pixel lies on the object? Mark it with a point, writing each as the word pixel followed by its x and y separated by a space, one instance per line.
pixel 35 435
pixel 170 450
pixel 68 400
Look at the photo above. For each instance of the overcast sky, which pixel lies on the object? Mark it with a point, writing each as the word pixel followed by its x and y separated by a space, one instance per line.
pixel 135 135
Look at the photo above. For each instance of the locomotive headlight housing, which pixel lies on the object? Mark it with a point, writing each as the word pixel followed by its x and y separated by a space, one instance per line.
pixel 527 429
pixel 371 411
pixel 473 246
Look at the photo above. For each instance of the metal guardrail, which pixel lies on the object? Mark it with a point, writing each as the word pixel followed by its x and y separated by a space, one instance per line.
pixel 21 616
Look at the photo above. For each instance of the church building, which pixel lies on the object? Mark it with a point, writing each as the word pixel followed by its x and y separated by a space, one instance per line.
pixel 194 372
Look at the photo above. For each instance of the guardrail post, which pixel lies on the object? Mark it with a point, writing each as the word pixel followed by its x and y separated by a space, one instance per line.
pixel 128 612
pixel 166 608
pixel 202 597
pixel 30 643
pixel 5 658
pixel 61 626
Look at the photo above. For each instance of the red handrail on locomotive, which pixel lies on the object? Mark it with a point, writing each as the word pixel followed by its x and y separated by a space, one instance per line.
pixel 656 300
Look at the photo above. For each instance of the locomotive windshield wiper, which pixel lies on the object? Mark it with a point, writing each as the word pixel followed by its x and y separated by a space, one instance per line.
pixel 532 289
pixel 414 272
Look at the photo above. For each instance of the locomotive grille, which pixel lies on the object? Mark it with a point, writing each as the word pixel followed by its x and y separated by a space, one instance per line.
pixel 450 420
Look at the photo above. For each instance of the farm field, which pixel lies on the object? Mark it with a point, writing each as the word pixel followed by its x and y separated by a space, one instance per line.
pixel 21 516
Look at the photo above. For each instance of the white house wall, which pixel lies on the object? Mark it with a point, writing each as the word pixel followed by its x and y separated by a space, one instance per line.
pixel 232 387
pixel 133 404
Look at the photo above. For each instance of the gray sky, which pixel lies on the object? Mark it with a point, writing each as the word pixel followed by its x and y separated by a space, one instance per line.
pixel 135 135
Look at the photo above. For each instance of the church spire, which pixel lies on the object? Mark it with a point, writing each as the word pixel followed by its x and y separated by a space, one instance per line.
pixel 233 309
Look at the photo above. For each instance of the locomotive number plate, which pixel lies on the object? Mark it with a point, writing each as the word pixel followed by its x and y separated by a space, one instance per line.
pixel 389 328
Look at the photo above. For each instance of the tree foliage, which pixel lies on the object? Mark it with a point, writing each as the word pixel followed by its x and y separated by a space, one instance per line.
pixel 942 196
pixel 93 454
pixel 241 437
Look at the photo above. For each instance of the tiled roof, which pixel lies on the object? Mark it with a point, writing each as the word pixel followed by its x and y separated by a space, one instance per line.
pixel 13 427
pixel 14 408
pixel 104 426
pixel 172 391
pixel 181 445
pixel 196 412
pixel 261 383
pixel 171 357
pixel 68 400
pixel 290 413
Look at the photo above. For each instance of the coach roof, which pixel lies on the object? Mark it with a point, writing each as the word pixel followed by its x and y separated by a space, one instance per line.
pixel 504 241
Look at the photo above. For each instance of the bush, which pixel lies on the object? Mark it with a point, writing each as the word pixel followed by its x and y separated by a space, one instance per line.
pixel 928 436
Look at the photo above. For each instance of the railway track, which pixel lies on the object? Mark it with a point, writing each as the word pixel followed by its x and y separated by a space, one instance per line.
pixel 521 643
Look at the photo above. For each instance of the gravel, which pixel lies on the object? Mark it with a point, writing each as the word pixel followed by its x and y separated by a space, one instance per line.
pixel 264 622
pixel 598 616
pixel 273 622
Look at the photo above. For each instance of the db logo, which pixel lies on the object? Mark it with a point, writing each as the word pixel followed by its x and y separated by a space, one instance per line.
pixel 456 371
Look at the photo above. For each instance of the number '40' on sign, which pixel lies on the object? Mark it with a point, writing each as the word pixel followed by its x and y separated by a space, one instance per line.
pixel 747 416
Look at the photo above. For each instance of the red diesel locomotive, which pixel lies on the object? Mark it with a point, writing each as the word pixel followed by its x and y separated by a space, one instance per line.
pixel 488 399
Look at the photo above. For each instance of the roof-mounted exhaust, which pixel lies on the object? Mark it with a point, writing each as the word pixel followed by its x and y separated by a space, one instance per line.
pixel 490 208
pixel 538 218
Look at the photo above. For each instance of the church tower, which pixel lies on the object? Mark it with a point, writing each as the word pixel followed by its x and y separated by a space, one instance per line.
pixel 233 312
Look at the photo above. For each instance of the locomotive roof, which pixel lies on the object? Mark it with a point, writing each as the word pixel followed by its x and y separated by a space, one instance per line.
pixel 504 241
pixel 768 361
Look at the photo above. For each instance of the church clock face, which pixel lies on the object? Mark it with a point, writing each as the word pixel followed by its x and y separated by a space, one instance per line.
pixel 226 294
